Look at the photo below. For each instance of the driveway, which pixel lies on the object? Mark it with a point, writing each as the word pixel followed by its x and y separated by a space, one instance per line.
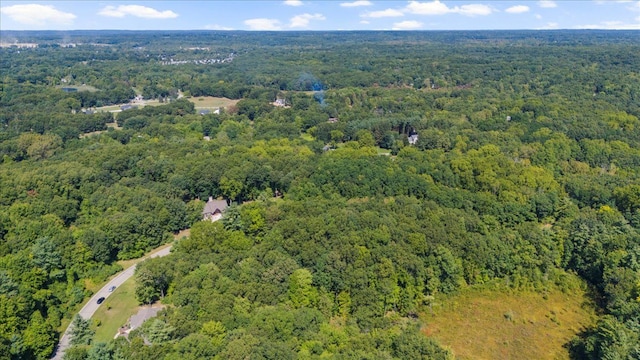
pixel 91 307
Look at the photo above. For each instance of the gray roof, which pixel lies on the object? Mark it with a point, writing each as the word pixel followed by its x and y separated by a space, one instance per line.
pixel 213 206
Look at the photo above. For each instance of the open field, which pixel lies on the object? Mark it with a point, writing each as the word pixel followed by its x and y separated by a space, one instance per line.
pixel 212 102
pixel 492 324
pixel 115 311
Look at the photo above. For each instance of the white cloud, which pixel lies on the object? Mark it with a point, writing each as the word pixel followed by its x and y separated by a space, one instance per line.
pixel 538 16
pixel 549 26
pixel 407 25
pixel 473 10
pixel 304 19
pixel 547 4
pixel 428 8
pixel 518 9
pixel 438 8
pixel 612 25
pixel 384 13
pixel 356 3
pixel 364 22
pixel 293 3
pixel 137 11
pixel 263 24
pixel 38 15
pixel 217 27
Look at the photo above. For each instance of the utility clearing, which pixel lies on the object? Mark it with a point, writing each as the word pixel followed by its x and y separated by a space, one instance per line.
pixel 496 324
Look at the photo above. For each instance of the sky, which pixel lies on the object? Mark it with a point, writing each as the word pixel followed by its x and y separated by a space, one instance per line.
pixel 296 15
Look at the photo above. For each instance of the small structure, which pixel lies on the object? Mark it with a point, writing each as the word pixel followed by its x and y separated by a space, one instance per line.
pixel 332 120
pixel 204 111
pixel 280 103
pixel 413 137
pixel 213 209
pixel 69 89
pixel 217 111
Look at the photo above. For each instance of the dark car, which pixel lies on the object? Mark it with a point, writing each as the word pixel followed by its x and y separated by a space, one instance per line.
pixel 100 300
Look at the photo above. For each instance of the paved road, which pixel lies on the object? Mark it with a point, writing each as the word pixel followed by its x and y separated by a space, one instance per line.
pixel 91 307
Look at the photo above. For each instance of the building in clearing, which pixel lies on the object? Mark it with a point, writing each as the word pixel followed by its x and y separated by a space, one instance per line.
pixel 213 209
pixel 413 137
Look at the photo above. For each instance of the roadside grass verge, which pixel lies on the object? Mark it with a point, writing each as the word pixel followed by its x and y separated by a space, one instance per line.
pixel 115 311
pixel 499 324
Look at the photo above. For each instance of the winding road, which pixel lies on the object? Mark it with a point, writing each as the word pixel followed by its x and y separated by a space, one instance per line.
pixel 91 307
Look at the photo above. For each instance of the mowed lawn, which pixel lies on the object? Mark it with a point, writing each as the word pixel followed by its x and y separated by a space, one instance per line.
pixel 212 102
pixel 115 311
pixel 493 324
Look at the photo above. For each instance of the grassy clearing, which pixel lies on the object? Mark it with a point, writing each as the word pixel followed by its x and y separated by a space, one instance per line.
pixel 212 102
pixel 494 324
pixel 115 311
pixel 306 137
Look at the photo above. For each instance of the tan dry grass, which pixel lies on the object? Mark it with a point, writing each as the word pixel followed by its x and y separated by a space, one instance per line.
pixel 491 324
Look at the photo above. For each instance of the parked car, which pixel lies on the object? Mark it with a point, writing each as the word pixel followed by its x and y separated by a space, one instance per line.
pixel 100 300
pixel 112 288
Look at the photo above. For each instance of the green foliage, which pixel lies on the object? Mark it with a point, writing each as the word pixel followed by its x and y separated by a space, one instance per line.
pixel 526 166
pixel 301 291
pixel 81 333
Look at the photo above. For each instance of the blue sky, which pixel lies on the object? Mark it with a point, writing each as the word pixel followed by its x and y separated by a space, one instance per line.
pixel 319 15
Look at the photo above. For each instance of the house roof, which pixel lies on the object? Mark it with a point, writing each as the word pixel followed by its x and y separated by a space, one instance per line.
pixel 214 205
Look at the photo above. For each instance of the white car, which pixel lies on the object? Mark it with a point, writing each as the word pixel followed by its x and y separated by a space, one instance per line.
pixel 112 288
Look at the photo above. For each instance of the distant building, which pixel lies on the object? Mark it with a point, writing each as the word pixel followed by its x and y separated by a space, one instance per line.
pixel 332 120
pixel 280 103
pixel 69 89
pixel 204 111
pixel 413 137
pixel 213 209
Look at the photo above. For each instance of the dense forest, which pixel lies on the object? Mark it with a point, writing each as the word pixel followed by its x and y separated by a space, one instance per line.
pixel 523 169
